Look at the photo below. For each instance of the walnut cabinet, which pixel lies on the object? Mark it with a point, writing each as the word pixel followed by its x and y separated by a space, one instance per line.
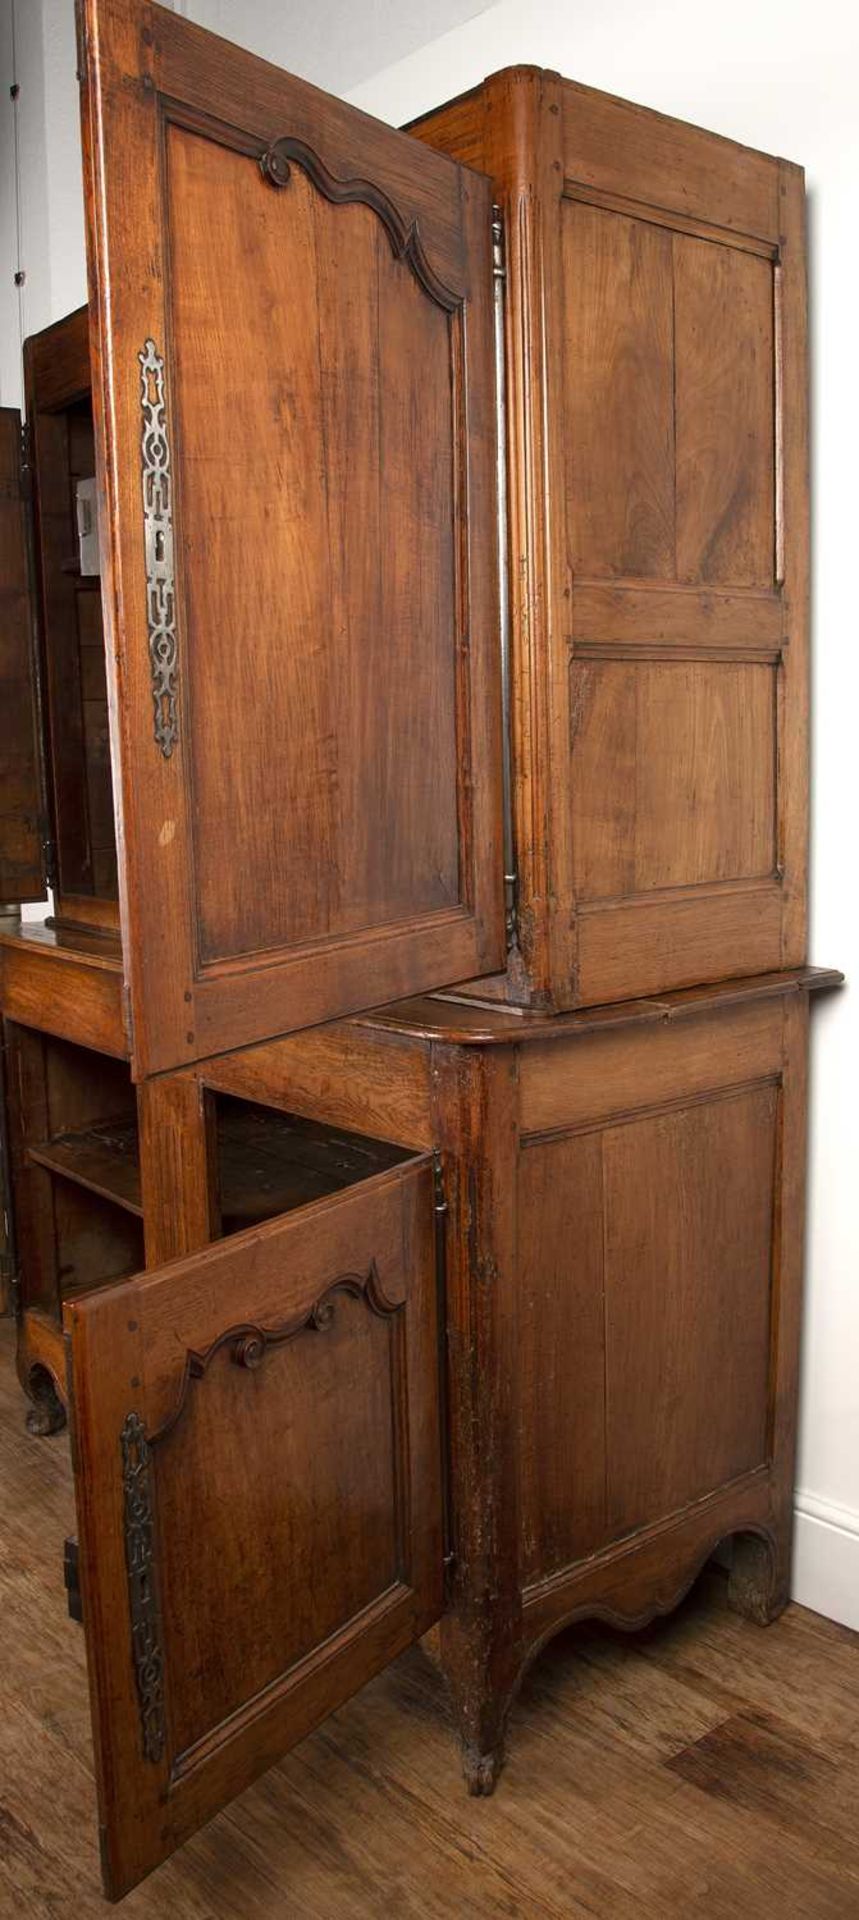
pixel 657 541
pixel 403 585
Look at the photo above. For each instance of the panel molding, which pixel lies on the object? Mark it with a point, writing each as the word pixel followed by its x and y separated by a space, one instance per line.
pixel 628 1116
pixel 405 238
pixel 370 1619
pixel 250 1341
pixel 685 890
pixel 656 216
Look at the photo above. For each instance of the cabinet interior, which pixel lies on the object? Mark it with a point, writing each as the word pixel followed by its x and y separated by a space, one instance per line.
pixel 82 1160
pixel 74 682
pixel 268 1162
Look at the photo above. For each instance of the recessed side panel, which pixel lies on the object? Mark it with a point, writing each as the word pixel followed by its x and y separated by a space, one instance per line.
pixel 652 1264
pixel 692 745
pixel 680 671
pixel 689 1211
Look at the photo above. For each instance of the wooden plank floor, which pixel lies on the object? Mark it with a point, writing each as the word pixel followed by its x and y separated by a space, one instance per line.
pixel 704 1767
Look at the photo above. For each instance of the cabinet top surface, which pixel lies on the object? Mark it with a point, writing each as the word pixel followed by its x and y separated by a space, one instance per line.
pixel 570 94
pixel 91 950
pixel 436 1017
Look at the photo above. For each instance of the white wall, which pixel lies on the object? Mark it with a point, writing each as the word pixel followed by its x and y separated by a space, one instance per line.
pixel 37 47
pixel 781 75
pixel 776 74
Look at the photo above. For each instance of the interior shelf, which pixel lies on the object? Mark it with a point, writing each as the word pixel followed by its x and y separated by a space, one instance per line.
pixel 104 1159
pixel 268 1162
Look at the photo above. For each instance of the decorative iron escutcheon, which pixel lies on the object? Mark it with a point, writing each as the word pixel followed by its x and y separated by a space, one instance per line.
pixel 142 1591
pixel 158 548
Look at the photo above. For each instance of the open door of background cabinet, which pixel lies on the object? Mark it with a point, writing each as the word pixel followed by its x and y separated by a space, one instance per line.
pixel 257 1466
pixel 294 393
pixel 22 803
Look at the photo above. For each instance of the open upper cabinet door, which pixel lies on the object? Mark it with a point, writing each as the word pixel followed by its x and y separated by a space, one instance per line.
pixel 22 800
pixel 257 1465
pixel 294 393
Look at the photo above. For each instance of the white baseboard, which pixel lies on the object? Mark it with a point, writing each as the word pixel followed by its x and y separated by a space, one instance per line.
pixel 826 1559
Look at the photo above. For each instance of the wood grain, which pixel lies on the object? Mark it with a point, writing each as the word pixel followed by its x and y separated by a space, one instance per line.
pixel 332 435
pixel 689 1210
pixel 657 504
pixel 692 796
pixel 619 414
pixel 55 987
pixel 368 1812
pixel 343 1409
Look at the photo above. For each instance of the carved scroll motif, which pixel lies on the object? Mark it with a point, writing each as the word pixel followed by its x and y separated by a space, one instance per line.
pixel 405 238
pixel 142 1593
pixel 158 547
pixel 248 1342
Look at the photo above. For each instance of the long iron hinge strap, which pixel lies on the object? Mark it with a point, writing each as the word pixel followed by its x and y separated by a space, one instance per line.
pixel 498 276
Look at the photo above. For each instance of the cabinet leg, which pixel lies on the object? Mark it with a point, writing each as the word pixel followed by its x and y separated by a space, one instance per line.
pixel 759 1582
pixel 46 1413
pixel 480 1706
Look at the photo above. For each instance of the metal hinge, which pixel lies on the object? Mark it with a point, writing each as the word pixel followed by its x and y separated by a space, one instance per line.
pixel 24 461
pixel 499 268
pixel 49 856
pixel 439 1195
pixel 511 909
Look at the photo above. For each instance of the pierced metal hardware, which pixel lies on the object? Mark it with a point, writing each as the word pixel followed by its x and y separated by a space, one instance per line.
pixel 158 547
pixel 142 1592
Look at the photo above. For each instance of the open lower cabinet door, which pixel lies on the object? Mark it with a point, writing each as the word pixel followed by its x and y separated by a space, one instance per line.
pixel 293 382
pixel 23 825
pixel 257 1466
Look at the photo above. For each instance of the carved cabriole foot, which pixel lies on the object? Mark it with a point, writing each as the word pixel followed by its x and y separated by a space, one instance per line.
pixel 47 1413
pixel 40 1364
pixel 759 1580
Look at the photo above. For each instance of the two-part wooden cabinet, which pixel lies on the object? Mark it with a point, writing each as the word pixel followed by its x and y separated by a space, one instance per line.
pixel 441 642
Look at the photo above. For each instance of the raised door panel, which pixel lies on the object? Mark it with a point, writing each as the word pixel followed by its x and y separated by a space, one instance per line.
pixel 683 436
pixel 258 1476
pixel 294 375
pixel 22 806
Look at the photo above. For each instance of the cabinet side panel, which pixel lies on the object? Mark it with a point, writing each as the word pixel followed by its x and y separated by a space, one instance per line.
pixel 681 675
pixel 688 1224
pixel 561 1364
